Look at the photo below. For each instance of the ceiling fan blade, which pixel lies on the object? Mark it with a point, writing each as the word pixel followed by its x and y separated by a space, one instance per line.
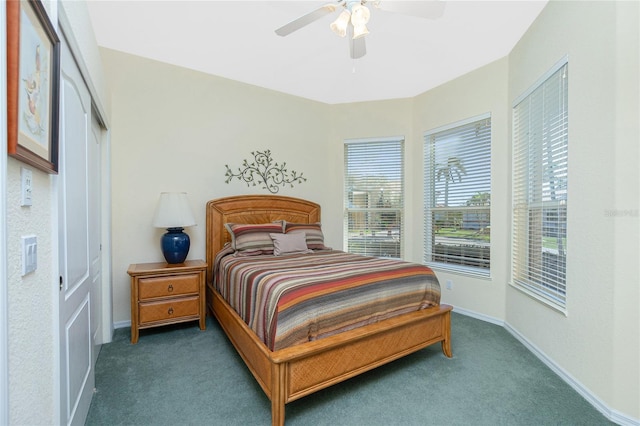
pixel 431 9
pixel 357 47
pixel 305 20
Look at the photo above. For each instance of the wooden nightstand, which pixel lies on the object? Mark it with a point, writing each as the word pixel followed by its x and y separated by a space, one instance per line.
pixel 163 294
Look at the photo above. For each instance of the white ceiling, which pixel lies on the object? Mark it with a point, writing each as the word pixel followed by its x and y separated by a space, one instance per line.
pixel 406 55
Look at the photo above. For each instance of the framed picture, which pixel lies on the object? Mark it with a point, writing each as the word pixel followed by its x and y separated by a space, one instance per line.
pixel 33 83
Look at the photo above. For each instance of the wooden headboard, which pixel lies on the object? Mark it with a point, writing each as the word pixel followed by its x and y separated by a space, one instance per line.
pixel 252 209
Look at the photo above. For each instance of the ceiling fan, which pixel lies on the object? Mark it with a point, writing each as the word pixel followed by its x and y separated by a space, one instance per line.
pixel 353 19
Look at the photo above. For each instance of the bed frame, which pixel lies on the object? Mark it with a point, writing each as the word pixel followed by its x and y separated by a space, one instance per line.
pixel 291 373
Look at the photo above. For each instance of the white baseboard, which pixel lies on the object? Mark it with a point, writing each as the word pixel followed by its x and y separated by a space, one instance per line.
pixel 613 415
pixel 121 324
pixel 481 317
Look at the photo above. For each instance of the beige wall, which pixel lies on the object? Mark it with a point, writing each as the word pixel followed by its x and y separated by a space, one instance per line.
pixel 389 118
pixel 626 323
pixel 479 92
pixel 597 343
pixel 175 130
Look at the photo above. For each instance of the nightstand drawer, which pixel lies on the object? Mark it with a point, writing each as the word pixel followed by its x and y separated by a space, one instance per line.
pixel 175 285
pixel 163 294
pixel 171 309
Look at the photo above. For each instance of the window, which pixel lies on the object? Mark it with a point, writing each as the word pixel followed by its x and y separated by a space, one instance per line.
pixel 540 165
pixel 374 196
pixel 457 195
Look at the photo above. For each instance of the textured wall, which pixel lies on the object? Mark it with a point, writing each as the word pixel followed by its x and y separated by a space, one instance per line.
pixel 31 316
pixel 32 359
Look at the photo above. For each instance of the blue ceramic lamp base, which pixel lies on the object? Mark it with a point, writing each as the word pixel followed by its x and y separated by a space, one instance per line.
pixel 175 245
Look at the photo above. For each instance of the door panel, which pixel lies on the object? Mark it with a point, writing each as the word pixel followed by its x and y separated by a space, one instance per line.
pixel 74 188
pixel 79 362
pixel 79 237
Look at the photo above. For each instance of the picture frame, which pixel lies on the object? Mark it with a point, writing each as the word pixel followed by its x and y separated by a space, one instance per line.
pixel 33 85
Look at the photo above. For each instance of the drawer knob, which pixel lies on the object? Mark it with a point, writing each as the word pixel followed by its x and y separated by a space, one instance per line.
pixel 170 311
pixel 170 288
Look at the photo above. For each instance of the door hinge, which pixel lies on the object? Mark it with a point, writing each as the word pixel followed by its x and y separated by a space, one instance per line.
pixel 61 282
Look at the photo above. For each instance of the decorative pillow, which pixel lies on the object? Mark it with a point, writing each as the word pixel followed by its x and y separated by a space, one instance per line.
pixel 253 237
pixel 286 244
pixel 313 232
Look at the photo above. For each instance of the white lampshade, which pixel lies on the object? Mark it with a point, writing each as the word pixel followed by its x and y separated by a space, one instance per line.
pixel 339 26
pixel 360 15
pixel 173 211
pixel 360 31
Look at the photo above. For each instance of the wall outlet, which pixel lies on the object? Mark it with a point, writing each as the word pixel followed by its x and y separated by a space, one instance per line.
pixel 26 186
pixel 449 285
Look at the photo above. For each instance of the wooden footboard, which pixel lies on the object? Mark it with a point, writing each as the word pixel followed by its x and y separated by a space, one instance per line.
pixel 289 374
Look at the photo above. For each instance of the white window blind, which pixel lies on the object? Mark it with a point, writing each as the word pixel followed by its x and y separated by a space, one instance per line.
pixel 374 196
pixel 540 172
pixel 457 185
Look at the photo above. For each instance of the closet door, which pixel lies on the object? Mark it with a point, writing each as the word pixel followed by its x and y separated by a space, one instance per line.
pixel 79 239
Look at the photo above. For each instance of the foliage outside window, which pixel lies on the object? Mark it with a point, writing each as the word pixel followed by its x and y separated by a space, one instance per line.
pixel 457 184
pixel 540 174
pixel 374 196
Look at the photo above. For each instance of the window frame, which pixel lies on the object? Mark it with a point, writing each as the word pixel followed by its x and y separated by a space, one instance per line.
pixel 398 212
pixel 536 290
pixel 430 198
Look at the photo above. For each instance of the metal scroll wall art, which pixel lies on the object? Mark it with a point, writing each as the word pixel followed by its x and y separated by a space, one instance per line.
pixel 264 171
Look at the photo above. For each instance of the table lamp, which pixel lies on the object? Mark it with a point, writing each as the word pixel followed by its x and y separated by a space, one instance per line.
pixel 174 213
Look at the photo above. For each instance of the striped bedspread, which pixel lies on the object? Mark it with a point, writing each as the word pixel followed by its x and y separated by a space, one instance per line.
pixel 291 299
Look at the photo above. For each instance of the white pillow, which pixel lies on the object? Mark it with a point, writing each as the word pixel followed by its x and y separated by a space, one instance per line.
pixel 289 243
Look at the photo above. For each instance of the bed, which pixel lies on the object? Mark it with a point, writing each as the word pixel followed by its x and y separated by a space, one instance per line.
pixel 292 372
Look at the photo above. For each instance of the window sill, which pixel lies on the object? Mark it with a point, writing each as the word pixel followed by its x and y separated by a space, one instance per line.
pixel 483 274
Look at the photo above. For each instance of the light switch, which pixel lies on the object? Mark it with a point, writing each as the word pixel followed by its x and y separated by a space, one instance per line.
pixel 27 186
pixel 29 254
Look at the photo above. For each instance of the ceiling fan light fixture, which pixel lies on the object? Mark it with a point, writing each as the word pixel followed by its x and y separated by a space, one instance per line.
pixel 360 31
pixel 360 15
pixel 339 26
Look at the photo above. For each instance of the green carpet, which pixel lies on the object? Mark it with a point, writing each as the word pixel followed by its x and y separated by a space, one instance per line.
pixel 179 375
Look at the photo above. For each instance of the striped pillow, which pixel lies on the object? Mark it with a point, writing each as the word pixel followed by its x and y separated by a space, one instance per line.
pixel 253 237
pixel 313 231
